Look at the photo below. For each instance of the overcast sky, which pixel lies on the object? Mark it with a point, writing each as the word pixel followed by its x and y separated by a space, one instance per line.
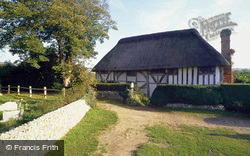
pixel 137 17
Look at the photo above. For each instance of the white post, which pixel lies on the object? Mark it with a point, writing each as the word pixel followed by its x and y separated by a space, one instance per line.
pixel 132 88
pixel 45 92
pixel 8 89
pixel 18 90
pixel 30 90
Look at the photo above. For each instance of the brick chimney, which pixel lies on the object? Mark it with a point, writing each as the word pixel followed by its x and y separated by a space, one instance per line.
pixel 226 52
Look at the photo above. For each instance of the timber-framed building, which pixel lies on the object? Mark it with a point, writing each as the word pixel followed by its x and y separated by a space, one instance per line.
pixel 173 57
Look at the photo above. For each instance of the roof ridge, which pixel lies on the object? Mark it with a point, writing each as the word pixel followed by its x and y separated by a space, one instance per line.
pixel 158 35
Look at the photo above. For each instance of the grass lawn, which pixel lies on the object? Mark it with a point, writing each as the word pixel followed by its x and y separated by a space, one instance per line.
pixel 82 139
pixel 38 104
pixel 191 140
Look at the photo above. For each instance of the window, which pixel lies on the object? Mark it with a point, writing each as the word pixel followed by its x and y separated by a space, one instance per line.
pixel 173 71
pixel 131 73
pixel 158 71
pixel 206 70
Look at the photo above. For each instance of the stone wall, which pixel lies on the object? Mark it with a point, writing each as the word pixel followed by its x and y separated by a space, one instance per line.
pixel 51 126
pixel 205 107
pixel 109 95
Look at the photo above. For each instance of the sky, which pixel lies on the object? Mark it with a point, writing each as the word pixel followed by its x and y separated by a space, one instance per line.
pixel 138 17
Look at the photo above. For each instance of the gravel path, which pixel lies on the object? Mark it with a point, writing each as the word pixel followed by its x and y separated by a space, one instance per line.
pixel 124 137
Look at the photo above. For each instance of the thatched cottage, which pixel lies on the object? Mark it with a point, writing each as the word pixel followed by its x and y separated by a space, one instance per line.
pixel 173 57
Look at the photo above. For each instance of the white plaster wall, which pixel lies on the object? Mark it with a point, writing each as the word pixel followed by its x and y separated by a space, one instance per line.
pixel 140 77
pixel 195 75
pixel 180 76
pixel 184 75
pixel 217 75
pixel 170 79
pixel 206 80
pixel 131 78
pixel 151 88
pixel 164 80
pixel 200 79
pixel 122 77
pixel 190 75
pixel 211 81
pixel 175 79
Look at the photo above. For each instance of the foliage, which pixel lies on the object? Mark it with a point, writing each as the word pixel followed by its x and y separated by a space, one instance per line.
pixel 188 94
pixel 191 140
pixel 236 97
pixel 82 139
pixel 90 97
pixel 137 98
pixel 112 86
pixel 242 77
pixel 68 29
pixel 123 89
pixel 1 115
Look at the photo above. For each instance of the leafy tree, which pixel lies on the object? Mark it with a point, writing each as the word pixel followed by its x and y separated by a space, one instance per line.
pixel 67 28
pixel 242 77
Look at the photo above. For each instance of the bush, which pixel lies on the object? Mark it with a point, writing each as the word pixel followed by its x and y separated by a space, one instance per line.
pixel 1 115
pixel 188 94
pixel 137 99
pixel 236 97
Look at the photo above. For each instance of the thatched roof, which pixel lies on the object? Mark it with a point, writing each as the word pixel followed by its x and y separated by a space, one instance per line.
pixel 172 49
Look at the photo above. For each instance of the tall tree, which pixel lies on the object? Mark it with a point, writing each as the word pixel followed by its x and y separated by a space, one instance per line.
pixel 70 28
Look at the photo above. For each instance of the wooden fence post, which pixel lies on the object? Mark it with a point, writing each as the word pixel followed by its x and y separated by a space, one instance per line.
pixel 18 90
pixel 30 90
pixel 8 89
pixel 64 93
pixel 45 92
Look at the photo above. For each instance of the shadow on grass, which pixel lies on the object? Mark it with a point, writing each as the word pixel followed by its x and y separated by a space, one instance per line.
pixel 228 121
pixel 216 113
pixel 234 136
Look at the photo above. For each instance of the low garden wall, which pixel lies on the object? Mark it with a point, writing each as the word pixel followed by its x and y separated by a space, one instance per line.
pixel 112 91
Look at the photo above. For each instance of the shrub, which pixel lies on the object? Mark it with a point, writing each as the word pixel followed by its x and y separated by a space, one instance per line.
pixel 1 115
pixel 236 97
pixel 137 99
pixel 90 97
pixel 188 94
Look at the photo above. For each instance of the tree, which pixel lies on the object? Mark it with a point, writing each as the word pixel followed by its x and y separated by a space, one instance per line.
pixel 69 28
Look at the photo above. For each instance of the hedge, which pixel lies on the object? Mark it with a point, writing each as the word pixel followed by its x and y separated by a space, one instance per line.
pixel 121 88
pixel 188 94
pixel 236 97
pixel 112 86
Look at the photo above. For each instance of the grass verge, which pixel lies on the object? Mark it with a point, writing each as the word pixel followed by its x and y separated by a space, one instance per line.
pixel 192 140
pixel 82 139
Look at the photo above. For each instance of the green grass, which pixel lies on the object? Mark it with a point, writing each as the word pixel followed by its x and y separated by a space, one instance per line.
pixel 82 139
pixel 192 140
pixel 38 106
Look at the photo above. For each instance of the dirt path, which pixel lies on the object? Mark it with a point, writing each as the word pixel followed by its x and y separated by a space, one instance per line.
pixel 123 138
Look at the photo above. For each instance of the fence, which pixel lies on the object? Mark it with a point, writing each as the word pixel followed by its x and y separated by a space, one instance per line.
pixel 17 89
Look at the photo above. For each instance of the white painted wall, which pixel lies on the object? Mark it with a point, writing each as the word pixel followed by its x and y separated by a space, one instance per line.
pixel 195 75
pixel 184 75
pixel 190 75
pixel 217 75
pixel 180 76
